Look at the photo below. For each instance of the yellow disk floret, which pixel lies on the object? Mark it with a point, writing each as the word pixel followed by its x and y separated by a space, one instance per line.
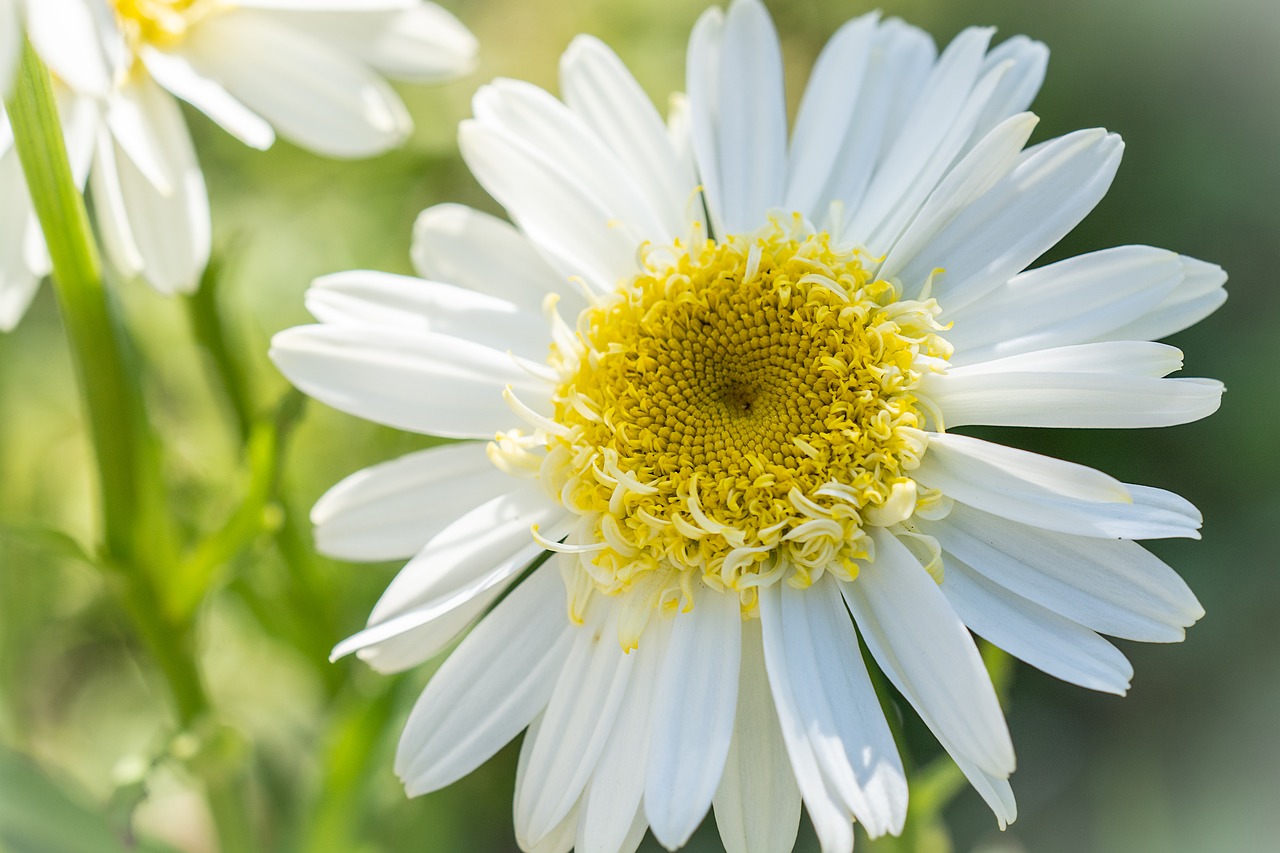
pixel 739 412
pixel 160 22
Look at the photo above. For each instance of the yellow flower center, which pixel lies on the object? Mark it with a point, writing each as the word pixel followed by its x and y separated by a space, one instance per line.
pixel 159 22
pixel 739 412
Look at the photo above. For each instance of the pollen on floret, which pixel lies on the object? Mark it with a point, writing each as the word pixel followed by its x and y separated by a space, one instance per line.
pixel 159 22
pixel 738 413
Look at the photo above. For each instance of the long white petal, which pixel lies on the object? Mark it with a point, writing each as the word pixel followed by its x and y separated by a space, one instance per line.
pixel 79 41
pixel 614 793
pixel 1197 296
pixel 169 234
pixel 1069 302
pixel 1017 88
pixel 482 551
pixel 828 112
pixel 18 280
pixel 1113 587
pixel 176 73
pixel 989 161
pixel 406 41
pixel 313 94
pixel 489 689
pixel 757 805
pixel 899 65
pixel 362 297
pixel 422 382
pixel 939 123
pixel 1051 493
pixel 1070 400
pixel 835 700
pixel 1053 187
pixel 1034 634
pixel 925 650
pixel 693 715
pixel 741 108
pixel 831 818
pixel 600 89
pixel 390 510
pixel 471 249
pixel 576 725
pixel 552 207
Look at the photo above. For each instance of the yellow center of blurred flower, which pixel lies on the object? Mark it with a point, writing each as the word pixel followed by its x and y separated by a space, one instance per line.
pixel 739 412
pixel 159 22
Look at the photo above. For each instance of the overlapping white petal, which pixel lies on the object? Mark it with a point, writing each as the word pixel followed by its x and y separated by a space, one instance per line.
pixel 919 159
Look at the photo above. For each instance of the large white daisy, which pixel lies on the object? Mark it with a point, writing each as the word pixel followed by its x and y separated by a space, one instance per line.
pixel 311 70
pixel 718 375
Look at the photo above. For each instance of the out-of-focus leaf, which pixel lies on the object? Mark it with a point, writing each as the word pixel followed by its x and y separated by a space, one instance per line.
pixel 46 540
pixel 38 816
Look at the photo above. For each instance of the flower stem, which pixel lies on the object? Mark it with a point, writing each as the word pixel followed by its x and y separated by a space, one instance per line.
pixel 138 540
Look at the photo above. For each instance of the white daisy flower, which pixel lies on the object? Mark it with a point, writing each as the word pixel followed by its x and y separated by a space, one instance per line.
pixel 735 433
pixel 311 70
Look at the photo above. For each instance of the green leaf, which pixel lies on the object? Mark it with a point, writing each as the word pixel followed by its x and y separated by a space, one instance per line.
pixel 37 816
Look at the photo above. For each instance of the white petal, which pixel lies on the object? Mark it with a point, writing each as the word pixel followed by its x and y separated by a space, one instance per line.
pixel 489 689
pixel 407 41
pixel 576 725
pixel 973 470
pixel 1069 302
pixel 989 161
pixel 18 281
pixel 422 382
pixel 313 94
pixel 614 793
pixel 362 297
pixel 1113 587
pixel 831 818
pixel 471 249
pixel 549 129
pixel 939 123
pixel 569 225
pixel 130 111
pixel 739 112
pixel 693 716
pixel 471 546
pixel 837 705
pixel 1034 634
pixel 178 75
pixel 164 236
pixel 1044 398
pixel 1197 296
pixel 1052 188
pixel 1050 493
pixel 925 650
pixel 757 805
pixel 899 64
pixel 828 112
pixel 1115 358
pixel 78 40
pixel 598 87
pixel 389 511
pixel 1018 87
pixel 483 550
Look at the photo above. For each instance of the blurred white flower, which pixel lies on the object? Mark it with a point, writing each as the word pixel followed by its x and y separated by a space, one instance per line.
pixel 734 364
pixel 311 70
pixel 10 43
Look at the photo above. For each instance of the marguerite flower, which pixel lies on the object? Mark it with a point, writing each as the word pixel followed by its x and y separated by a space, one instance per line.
pixel 718 375
pixel 311 70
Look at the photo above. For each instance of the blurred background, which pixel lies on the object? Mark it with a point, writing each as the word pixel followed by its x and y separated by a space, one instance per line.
pixel 1189 761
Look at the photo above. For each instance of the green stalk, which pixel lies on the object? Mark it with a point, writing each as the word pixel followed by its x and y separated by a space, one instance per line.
pixel 137 530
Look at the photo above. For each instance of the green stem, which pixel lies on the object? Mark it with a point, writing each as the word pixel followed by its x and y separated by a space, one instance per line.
pixel 137 530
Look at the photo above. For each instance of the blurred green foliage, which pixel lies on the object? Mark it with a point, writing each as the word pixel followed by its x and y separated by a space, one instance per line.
pixel 1190 761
